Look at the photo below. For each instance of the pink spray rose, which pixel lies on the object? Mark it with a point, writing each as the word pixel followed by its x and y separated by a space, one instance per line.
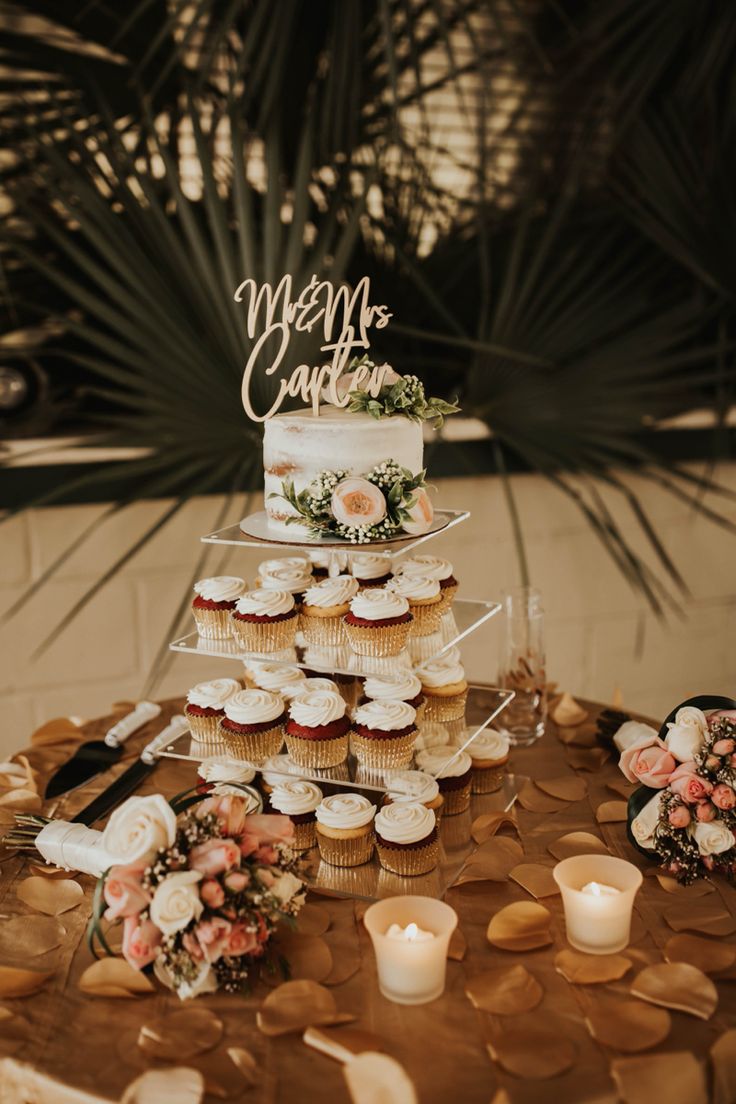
pixel 192 947
pixel 649 762
pixel 266 855
pixel 241 941
pixel 679 816
pixel 688 784
pixel 723 797
pixel 212 936
pixel 212 893
pixel 717 714
pixel 229 809
pixel 236 880
pixel 724 746
pixel 705 812
pixel 214 857
pixel 124 893
pixel 141 939
pixel 421 514
pixel 262 828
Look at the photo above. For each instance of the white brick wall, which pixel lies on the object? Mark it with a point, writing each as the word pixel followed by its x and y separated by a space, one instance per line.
pixel 599 633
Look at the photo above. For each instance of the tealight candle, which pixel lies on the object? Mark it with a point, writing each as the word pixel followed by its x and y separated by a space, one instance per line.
pixel 410 937
pixel 598 895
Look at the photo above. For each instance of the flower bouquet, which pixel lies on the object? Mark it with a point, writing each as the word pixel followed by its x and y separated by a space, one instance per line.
pixel 198 895
pixel 684 813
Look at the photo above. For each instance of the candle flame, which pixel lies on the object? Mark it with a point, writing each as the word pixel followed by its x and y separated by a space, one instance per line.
pixel 411 931
pixel 594 889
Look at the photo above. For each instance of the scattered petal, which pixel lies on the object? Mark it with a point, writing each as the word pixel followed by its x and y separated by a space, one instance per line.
pixel 29 936
pixel 15 982
pixel 587 759
pixel 535 879
pixel 568 713
pixel 344 946
pixel 701 888
pixel 167 1086
pixel 62 730
pixel 577 843
pixel 611 812
pixel 492 861
pixel 486 825
pixel 312 919
pixel 55 873
pixel 627 1025
pixel 295 1005
pixel 723 1059
pixel 708 955
pixel 567 788
pixel 505 991
pixel 342 1043
pixel 51 897
pixel 458 947
pixel 711 917
pixel 533 1054
pixel 245 1063
pixel 378 1079
pixel 677 1078
pixel 308 955
pixel 586 969
pixel 578 737
pixel 113 977
pixel 534 801
pixel 523 926
pixel 190 1031
pixel 621 787
pixel 677 985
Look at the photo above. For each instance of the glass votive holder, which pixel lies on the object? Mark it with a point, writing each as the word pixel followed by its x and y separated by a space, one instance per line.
pixel 598 894
pixel 410 937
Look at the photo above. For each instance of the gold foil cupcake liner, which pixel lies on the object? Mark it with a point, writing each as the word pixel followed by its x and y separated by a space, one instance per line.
pixel 264 637
pixel 447 596
pixel 305 835
pixel 317 753
pixel 379 642
pixel 487 779
pixel 205 730
pixel 457 801
pixel 339 773
pixel 397 885
pixel 213 624
pixel 353 851
pixel 324 632
pixel 253 746
pixel 427 618
pixel 441 709
pixel 390 753
pixel 408 861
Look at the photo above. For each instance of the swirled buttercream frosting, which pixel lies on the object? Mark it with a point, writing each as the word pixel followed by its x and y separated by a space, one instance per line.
pixel 345 810
pixel 327 560
pixel 222 769
pixel 275 676
pixel 432 734
pixel 334 591
pixel 303 686
pixel 378 604
pixel 317 707
pixel 403 686
pixel 440 672
pixel 412 785
pixel 254 707
pixel 414 587
pixel 489 745
pixel 214 694
pixel 387 715
pixel 279 768
pixel 288 577
pixel 369 565
pixel 404 822
pixel 297 563
pixel 295 796
pixel 444 762
pixel 432 567
pixel 265 603
pixel 220 588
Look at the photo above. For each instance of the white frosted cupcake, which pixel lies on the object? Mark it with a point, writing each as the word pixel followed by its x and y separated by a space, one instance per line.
pixel 298 800
pixel 371 569
pixel 433 567
pixel 399 686
pixel 453 771
pixel 276 769
pixel 345 829
pixel 445 688
pixel 215 601
pixel 406 838
pixel 432 734
pixel 323 607
pixel 265 620
pixel 276 676
pixel 292 574
pixel 378 623
pixel 489 754
pixel 317 729
pixel 415 785
pixel 304 685
pixel 205 708
pixel 425 601
pixel 384 733
pixel 226 775
pixel 252 727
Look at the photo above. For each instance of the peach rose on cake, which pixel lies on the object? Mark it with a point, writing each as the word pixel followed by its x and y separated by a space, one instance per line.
pixel 355 501
pixel 687 784
pixel 421 514
pixel 648 761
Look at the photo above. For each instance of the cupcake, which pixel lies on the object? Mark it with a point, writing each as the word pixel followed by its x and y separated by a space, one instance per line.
pixel 292 574
pixel 345 829
pixel 371 569
pixel 270 567
pixel 223 775
pixel 323 607
pixel 252 664
pixel 432 734
pixel 277 676
pixel 453 771
pixel 264 620
pixel 301 686
pixel 401 686
pixel 489 754
pixel 384 733
pixel 298 800
pixel 433 567
pixel 205 708
pixel 445 687
pixel 252 727
pixel 214 603
pixel 378 623
pixel 425 601
pixel 415 785
pixel 274 770
pixel 406 838
pixel 317 729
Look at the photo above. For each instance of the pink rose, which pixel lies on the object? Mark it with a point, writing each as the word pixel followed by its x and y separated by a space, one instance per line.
pixel 266 855
pixel 688 784
pixel 212 936
pixel 124 893
pixel 236 880
pixel 241 941
pixel 679 816
pixel 723 797
pixel 192 947
pixel 724 746
pixel 355 501
pixel 214 857
pixel 212 893
pixel 421 514
pixel 141 939
pixel 230 811
pixel 729 714
pixel 648 761
pixel 712 762
pixel 263 828
pixel 705 812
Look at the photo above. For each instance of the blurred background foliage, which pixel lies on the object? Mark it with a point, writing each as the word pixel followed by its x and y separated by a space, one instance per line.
pixel 541 190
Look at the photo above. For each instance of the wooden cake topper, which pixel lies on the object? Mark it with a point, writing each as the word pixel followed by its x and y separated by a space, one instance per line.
pixel 344 317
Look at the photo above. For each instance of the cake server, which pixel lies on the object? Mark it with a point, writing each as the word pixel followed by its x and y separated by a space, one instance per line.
pixel 131 779
pixel 97 755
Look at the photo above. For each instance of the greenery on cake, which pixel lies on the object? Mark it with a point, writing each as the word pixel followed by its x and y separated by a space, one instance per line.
pixel 360 509
pixel 403 396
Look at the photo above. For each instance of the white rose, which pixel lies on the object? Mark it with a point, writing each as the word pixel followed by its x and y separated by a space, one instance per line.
pixel 687 733
pixel 286 887
pixel 632 731
pixel 713 838
pixel 644 823
pixel 204 982
pixel 139 828
pixel 176 901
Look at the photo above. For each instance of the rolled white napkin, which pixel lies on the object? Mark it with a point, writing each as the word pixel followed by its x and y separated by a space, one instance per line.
pixel 631 732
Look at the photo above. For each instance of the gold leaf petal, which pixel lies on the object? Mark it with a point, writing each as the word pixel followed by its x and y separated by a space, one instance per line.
pixel 701 888
pixel 723 1058
pixel 178 1085
pixel 535 879
pixel 505 991
pixel 709 916
pixel 708 955
pixel 568 713
pixel 486 825
pixel 54 873
pixel 29 936
pixel 566 788
pixel 611 812
pixel 312 919
pixel 587 759
pixel 581 737
pixel 677 1078
pixel 113 977
pixel 584 969
pixel 621 787
pixel 533 1054
pixel 492 861
pixel 15 982
pixel 244 1061
pixel 627 1025
pixel 62 730
pixel 190 1031
pixel 577 843
pixel 458 947
pixel 523 926
pixel 534 801
pixel 295 1005
pixel 308 955
pixel 51 897
pixel 342 1043
pixel 372 1078
pixel 677 985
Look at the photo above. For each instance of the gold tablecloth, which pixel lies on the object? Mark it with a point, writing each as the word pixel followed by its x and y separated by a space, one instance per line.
pixel 89 1043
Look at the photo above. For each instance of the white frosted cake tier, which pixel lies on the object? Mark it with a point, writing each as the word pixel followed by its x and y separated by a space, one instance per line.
pixel 298 446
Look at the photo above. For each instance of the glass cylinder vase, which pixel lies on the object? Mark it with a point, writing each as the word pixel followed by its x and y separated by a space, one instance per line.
pixel 523 668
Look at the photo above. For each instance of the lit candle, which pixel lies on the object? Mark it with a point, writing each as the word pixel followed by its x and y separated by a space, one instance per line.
pixel 598 896
pixel 410 937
